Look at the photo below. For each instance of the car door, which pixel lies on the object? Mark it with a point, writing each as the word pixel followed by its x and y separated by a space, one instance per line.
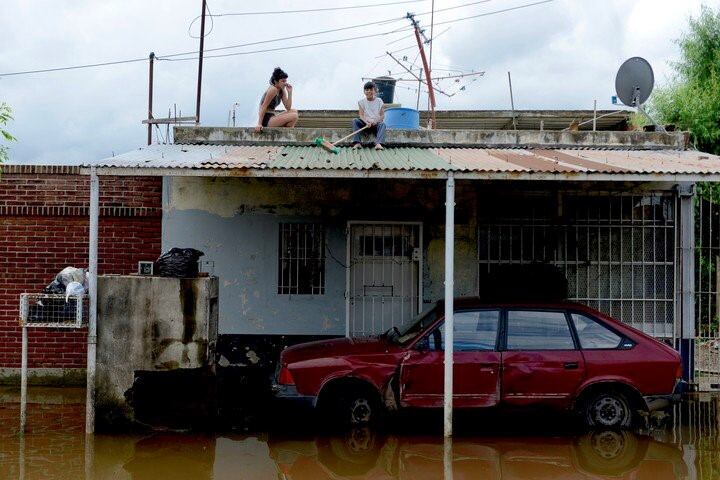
pixel 476 364
pixel 541 362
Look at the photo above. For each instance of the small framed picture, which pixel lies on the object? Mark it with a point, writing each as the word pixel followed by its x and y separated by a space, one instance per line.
pixel 145 268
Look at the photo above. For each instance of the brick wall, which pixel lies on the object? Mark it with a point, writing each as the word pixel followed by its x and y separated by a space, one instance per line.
pixel 44 228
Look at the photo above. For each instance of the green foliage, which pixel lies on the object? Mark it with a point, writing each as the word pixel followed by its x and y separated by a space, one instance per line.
pixel 5 117
pixel 692 99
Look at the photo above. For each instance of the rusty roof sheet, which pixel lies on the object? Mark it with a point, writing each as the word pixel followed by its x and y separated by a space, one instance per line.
pixel 510 160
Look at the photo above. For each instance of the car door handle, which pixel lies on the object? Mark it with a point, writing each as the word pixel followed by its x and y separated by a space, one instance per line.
pixel 570 366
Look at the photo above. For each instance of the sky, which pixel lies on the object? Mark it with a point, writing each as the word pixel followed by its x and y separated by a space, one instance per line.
pixel 561 54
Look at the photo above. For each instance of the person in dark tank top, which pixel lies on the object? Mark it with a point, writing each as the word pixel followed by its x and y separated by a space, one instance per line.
pixel 279 91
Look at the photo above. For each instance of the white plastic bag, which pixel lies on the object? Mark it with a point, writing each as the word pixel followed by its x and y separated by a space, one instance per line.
pixel 74 289
pixel 70 274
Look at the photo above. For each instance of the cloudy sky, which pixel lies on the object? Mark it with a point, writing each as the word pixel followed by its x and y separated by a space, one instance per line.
pixel 562 54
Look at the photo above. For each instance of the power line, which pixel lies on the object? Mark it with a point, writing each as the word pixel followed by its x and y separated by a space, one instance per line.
pixel 168 57
pixel 494 12
pixel 327 9
pixel 341 40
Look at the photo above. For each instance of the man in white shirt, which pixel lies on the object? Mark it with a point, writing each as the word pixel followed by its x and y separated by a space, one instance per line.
pixel 372 113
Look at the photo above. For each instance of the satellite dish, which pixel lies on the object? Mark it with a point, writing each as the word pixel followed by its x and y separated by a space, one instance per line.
pixel 634 81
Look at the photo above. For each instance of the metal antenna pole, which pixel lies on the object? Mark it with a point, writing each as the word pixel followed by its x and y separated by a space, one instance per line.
pixel 512 103
pixel 150 96
pixel 426 66
pixel 200 61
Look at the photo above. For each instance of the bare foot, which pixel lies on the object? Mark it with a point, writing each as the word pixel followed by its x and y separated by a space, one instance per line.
pixel 379 147
pixel 357 146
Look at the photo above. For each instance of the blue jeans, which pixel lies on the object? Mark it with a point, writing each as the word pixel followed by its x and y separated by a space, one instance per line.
pixel 379 130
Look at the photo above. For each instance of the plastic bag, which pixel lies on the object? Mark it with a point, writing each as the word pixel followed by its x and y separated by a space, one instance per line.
pixel 70 274
pixel 178 263
pixel 74 289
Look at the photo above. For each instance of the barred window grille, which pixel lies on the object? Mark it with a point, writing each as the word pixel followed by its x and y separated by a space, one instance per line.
pixel 301 259
pixel 617 251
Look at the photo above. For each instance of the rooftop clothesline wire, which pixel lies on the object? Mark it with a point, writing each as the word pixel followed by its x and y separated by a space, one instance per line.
pixel 166 57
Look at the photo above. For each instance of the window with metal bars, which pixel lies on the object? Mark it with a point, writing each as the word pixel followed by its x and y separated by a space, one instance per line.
pixel 301 259
pixel 617 251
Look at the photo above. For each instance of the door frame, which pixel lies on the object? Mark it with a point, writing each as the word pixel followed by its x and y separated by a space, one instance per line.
pixel 348 259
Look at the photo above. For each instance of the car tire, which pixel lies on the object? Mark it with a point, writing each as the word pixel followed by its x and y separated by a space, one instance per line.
pixel 356 407
pixel 607 409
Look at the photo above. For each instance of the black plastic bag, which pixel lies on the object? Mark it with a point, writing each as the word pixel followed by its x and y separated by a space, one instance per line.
pixel 178 263
pixel 54 287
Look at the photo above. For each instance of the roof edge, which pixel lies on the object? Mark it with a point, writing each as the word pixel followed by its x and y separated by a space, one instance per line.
pixel 439 138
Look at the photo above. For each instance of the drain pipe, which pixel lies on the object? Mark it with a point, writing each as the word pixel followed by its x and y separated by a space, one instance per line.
pixel 449 292
pixel 92 292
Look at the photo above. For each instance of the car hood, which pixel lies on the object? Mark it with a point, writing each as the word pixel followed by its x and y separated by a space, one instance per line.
pixel 335 348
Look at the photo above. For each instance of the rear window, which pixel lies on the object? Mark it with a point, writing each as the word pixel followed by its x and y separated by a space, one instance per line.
pixel 593 335
pixel 538 330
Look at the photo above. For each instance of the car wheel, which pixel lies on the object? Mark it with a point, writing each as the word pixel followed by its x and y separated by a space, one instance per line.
pixel 608 409
pixel 357 407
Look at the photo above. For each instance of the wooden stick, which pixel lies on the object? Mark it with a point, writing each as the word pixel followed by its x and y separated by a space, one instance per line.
pixel 348 136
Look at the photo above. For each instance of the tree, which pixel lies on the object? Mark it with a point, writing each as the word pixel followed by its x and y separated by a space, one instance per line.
pixel 5 117
pixel 692 99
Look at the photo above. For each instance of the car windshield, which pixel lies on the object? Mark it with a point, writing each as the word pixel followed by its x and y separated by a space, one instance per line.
pixel 414 327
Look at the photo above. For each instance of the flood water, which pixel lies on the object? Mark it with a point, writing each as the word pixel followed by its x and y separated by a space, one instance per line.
pixel 55 447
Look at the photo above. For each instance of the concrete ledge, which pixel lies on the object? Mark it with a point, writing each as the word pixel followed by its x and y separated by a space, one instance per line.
pixel 438 138
pixel 58 377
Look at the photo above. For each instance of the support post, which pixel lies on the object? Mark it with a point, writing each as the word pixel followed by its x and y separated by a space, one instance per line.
pixel 23 381
pixel 686 337
pixel 92 293
pixel 512 103
pixel 200 61
pixel 595 116
pixel 449 300
pixel 150 95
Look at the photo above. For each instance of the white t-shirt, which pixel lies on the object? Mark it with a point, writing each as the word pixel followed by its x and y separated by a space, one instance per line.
pixel 372 108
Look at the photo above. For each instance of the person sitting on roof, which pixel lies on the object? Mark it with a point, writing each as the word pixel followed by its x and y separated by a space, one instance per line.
pixel 372 114
pixel 278 91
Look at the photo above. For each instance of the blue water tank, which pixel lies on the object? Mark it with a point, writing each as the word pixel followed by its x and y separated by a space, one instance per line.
pixel 402 118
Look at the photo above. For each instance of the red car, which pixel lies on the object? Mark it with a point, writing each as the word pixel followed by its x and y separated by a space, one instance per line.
pixel 562 355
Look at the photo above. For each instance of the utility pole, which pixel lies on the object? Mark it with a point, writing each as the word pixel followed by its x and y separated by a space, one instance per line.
pixel 200 60
pixel 150 96
pixel 426 66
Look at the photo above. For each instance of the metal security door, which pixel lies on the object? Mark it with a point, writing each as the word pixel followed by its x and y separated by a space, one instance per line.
pixel 384 275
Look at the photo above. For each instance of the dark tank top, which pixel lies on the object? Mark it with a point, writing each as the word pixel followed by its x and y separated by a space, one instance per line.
pixel 273 103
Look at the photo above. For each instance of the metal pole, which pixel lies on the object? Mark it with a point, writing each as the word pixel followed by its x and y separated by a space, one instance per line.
pixel 595 116
pixel 150 95
pixel 200 61
pixel 449 297
pixel 428 76
pixel 512 103
pixel 23 381
pixel 92 293
pixel 687 280
pixel 417 107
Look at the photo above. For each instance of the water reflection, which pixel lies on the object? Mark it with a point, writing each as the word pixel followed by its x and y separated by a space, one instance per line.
pixel 55 447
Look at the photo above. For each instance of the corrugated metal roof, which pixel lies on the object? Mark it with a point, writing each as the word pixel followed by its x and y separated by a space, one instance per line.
pixel 413 159
pixel 401 158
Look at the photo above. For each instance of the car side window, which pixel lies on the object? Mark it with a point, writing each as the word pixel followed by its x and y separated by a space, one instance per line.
pixel 474 331
pixel 593 335
pixel 538 330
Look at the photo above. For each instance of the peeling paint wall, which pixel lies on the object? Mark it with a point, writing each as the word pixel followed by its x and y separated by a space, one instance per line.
pixel 235 221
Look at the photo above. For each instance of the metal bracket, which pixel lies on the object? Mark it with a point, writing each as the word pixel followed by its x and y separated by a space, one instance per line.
pixel 685 189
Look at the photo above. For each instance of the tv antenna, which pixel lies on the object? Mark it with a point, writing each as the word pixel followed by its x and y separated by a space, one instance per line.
pixel 634 83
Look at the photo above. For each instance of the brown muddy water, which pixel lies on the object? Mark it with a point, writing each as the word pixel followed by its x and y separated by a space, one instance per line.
pixel 55 447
